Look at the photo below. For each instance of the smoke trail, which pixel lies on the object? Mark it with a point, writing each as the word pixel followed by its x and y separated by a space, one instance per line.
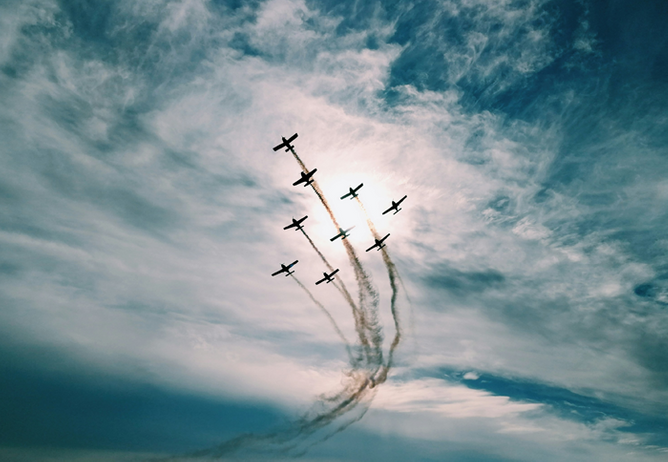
pixel 339 284
pixel 341 287
pixel 329 316
pixel 356 394
pixel 368 296
pixel 366 372
pixel 393 275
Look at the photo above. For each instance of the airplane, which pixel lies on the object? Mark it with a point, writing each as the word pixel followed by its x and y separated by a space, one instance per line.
pixel 297 223
pixel 379 243
pixel 305 178
pixel 395 206
pixel 343 233
pixel 286 143
pixel 352 192
pixel 286 269
pixel 328 277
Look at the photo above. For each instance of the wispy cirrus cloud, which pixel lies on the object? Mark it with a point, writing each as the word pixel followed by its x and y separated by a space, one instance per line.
pixel 142 198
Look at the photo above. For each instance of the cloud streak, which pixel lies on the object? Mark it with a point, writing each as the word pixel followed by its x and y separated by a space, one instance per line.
pixel 138 206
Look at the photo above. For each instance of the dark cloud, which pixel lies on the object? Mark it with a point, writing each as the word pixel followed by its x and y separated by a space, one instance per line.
pixel 76 408
pixel 464 283
pixel 567 404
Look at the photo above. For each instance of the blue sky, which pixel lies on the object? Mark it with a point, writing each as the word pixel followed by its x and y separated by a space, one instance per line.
pixel 143 206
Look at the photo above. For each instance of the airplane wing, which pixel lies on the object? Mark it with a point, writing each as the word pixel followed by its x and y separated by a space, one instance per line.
pixel 345 195
pixel 321 281
pixel 336 237
pixel 372 247
pixel 358 188
pixel 292 138
pixel 293 225
pixel 276 148
pixel 333 272
pixel 300 181
pixel 388 210
pixel 388 235
pixel 293 264
pixel 401 200
pixel 278 272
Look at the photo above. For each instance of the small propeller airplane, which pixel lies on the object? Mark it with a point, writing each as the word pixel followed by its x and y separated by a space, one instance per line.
pixel 328 277
pixel 379 243
pixel 297 224
pixel 305 178
pixel 286 143
pixel 286 269
pixel 395 206
pixel 343 233
pixel 352 194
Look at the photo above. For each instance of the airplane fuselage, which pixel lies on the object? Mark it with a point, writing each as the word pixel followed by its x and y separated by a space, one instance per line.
pixel 287 144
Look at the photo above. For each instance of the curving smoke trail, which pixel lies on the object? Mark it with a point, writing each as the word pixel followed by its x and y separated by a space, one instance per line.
pixel 341 287
pixel 368 328
pixel 368 369
pixel 393 275
pixel 329 316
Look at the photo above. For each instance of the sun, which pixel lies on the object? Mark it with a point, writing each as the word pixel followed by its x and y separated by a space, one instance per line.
pixel 348 212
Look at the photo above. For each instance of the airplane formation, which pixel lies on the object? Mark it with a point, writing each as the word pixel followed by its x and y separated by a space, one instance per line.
pixel 307 179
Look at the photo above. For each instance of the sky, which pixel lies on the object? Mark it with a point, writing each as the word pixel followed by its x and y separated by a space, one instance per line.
pixel 519 311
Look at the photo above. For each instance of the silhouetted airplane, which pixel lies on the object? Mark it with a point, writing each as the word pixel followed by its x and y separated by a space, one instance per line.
pixel 395 206
pixel 352 192
pixel 286 143
pixel 379 243
pixel 286 269
pixel 343 233
pixel 297 223
pixel 328 277
pixel 305 178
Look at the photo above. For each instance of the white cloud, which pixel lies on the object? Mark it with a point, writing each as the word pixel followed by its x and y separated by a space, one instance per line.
pixel 191 304
pixel 454 401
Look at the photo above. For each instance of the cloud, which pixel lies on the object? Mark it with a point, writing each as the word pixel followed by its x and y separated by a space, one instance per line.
pixel 142 199
pixel 431 395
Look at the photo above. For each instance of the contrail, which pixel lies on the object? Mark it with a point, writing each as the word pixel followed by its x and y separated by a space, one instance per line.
pixel 329 316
